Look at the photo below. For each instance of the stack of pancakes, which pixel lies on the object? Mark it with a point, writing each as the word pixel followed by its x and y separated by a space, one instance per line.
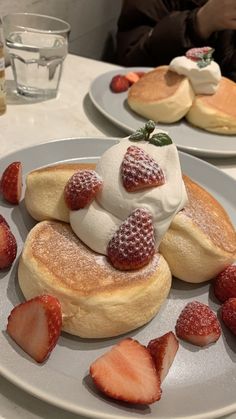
pixel 165 96
pixel 98 300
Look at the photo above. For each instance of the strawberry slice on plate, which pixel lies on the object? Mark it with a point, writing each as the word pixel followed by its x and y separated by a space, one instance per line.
pixel 35 326
pixel 127 373
pixel 225 284
pixel 11 183
pixel 163 350
pixel 198 324
pixel 133 245
pixel 82 188
pixel 228 314
pixel 119 84
pixel 139 170
pixel 8 245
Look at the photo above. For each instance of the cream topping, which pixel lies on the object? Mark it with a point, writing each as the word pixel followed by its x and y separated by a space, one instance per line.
pixel 96 224
pixel 204 80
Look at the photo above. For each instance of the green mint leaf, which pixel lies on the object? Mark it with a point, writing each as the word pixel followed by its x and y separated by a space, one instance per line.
pixel 160 139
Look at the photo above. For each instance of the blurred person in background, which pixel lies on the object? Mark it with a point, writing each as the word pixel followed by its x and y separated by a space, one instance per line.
pixel 152 32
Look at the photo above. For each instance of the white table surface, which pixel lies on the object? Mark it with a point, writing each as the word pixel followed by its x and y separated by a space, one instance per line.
pixel 70 114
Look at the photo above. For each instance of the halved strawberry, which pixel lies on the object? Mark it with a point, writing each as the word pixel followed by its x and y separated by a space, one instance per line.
pixel 132 77
pixel 133 245
pixel 197 54
pixel 163 351
pixel 3 220
pixel 11 182
pixel 139 170
pixel 119 84
pixel 127 373
pixel 81 189
pixel 198 324
pixel 225 284
pixel 35 326
pixel 8 245
pixel 228 314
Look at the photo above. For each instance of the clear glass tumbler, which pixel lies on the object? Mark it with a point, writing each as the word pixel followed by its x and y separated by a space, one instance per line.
pixel 37 46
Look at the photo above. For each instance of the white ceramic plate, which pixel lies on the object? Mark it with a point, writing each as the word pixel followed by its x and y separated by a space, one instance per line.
pixel 187 138
pixel 201 382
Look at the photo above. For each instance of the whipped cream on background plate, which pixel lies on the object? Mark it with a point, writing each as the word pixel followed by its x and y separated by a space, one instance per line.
pixel 203 80
pixel 96 224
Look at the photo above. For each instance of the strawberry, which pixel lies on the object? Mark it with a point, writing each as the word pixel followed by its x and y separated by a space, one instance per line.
pixel 133 245
pixel 8 245
pixel 132 77
pixel 228 314
pixel 163 351
pixel 198 324
pixel 225 284
pixel 127 373
pixel 119 84
pixel 139 170
pixel 11 182
pixel 81 189
pixel 35 326
pixel 197 54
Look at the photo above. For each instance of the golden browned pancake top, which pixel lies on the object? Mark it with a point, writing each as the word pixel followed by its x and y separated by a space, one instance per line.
pixel 224 100
pixel 210 216
pixel 69 262
pixel 155 85
pixel 65 166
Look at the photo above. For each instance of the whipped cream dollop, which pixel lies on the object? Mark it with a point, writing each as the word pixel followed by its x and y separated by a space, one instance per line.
pixel 204 80
pixel 96 224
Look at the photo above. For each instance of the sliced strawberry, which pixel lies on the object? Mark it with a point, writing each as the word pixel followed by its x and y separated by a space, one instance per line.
pixel 163 351
pixel 197 54
pixel 225 284
pixel 119 84
pixel 11 182
pixel 139 170
pixel 198 324
pixel 36 326
pixel 133 245
pixel 81 189
pixel 228 314
pixel 8 245
pixel 132 77
pixel 127 373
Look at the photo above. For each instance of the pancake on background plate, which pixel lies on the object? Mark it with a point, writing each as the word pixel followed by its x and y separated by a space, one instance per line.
pixel 161 95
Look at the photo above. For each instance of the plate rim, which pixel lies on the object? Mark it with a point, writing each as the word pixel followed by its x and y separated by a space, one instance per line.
pixel 43 395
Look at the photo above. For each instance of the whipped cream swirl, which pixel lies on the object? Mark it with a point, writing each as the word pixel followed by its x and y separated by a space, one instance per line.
pixel 96 224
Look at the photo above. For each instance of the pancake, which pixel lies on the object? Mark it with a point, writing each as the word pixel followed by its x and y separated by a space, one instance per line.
pixel 97 300
pixel 44 195
pixel 201 240
pixel 216 113
pixel 161 95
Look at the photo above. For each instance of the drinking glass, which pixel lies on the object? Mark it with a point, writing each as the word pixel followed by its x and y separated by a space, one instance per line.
pixel 37 46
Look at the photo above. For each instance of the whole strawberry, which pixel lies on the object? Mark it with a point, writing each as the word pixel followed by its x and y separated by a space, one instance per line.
pixel 81 189
pixel 119 84
pixel 8 245
pixel 11 183
pixel 35 326
pixel 139 170
pixel 228 314
pixel 133 245
pixel 198 324
pixel 225 284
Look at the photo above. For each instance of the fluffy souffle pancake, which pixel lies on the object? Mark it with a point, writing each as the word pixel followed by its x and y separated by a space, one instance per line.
pixel 97 300
pixel 217 112
pixel 161 95
pixel 201 240
pixel 44 198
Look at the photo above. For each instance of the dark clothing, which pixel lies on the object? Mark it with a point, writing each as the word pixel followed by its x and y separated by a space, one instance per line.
pixel 152 32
